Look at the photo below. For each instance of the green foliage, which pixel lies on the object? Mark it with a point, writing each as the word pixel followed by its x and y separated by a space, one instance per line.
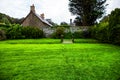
pixel 32 33
pixel 81 34
pixel 78 21
pixel 63 25
pixel 109 29
pixel 2 35
pixel 105 19
pixel 87 11
pixel 33 61
pixel 86 41
pixel 100 32
pixel 78 34
pixel 5 20
pixel 16 31
pixel 68 35
pixel 114 26
pixel 115 35
pixel 9 20
pixel 114 18
pixel 32 41
pixel 59 31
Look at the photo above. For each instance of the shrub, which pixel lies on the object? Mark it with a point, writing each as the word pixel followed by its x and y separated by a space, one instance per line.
pixel 2 35
pixel 19 32
pixel 108 31
pixel 115 35
pixel 114 26
pixel 86 34
pixel 14 32
pixel 59 31
pixel 114 18
pixel 77 34
pixel 100 32
pixel 81 34
pixel 31 32
pixel 68 35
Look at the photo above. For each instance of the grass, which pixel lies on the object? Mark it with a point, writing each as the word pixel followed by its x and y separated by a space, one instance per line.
pixel 85 41
pixel 82 61
pixel 32 41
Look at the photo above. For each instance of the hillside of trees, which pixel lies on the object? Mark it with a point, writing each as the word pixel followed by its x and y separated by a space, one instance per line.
pixel 9 20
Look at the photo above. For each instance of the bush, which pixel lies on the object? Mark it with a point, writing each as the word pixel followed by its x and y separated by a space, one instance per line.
pixel 100 32
pixel 19 32
pixel 14 32
pixel 108 31
pixel 77 34
pixel 81 34
pixel 86 34
pixel 31 32
pixel 2 35
pixel 114 26
pixel 114 18
pixel 59 31
pixel 68 35
pixel 115 35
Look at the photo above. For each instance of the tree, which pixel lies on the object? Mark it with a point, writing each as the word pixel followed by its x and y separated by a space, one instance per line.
pixel 5 20
pixel 114 18
pixel 63 23
pixel 78 21
pixel 9 20
pixel 88 10
pixel 114 26
pixel 105 19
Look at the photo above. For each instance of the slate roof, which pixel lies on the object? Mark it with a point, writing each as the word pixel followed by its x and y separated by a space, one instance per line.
pixel 38 16
pixel 43 20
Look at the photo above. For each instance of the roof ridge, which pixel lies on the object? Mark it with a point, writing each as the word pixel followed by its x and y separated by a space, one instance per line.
pixel 43 20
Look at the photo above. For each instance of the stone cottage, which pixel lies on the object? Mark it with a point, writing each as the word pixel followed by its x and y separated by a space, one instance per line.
pixel 35 20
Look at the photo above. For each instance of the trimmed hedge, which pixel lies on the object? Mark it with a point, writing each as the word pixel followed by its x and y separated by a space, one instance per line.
pixel 16 31
pixel 32 33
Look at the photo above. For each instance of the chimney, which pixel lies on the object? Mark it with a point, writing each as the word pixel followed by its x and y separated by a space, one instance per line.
pixel 70 22
pixel 42 16
pixel 32 8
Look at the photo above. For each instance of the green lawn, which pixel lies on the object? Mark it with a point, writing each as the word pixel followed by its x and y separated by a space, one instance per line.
pixel 33 60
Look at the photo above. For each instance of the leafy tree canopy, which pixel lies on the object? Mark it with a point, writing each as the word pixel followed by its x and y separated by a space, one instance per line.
pixel 88 10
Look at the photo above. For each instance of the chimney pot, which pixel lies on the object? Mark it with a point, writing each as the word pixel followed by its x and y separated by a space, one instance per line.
pixel 32 8
pixel 42 16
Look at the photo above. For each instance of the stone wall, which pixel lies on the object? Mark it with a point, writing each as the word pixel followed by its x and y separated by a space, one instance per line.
pixel 49 31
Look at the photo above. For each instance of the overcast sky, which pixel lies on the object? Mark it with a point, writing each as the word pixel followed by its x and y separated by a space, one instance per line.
pixel 57 10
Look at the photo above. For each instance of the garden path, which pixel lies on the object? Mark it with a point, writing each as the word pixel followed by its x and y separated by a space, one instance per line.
pixel 67 41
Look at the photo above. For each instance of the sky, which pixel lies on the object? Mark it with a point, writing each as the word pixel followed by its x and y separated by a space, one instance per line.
pixel 57 10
